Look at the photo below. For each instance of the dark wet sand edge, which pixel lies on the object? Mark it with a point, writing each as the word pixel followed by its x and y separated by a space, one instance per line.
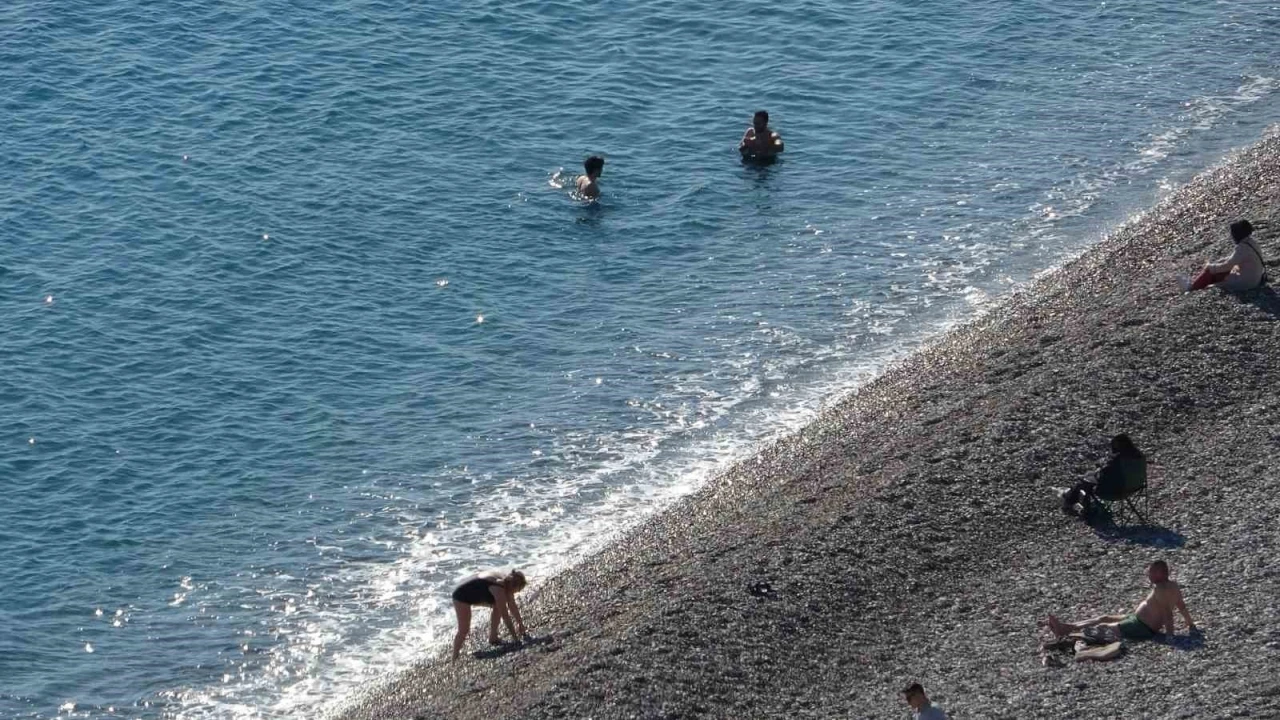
pixel 909 532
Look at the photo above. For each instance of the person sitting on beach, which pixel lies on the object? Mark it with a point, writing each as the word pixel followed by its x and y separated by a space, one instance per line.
pixel 587 186
pixel 1124 473
pixel 491 589
pixel 1154 614
pixel 920 705
pixel 760 143
pixel 1241 270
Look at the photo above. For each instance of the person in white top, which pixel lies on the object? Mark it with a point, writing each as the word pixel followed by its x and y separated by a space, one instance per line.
pixel 920 705
pixel 1242 270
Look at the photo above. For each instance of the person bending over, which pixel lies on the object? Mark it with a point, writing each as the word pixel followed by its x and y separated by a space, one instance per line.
pixel 1154 614
pixel 587 186
pixel 1125 472
pixel 494 590
pixel 760 143
pixel 920 705
pixel 1241 270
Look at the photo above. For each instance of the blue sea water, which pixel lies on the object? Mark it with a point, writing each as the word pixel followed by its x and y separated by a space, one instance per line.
pixel 299 322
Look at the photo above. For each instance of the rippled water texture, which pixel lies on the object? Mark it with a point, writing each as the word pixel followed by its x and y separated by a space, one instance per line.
pixel 299 324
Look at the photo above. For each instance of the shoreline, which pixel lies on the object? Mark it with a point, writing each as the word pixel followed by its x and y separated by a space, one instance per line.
pixel 909 532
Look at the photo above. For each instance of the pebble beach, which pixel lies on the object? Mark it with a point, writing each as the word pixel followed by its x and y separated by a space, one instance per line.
pixel 911 533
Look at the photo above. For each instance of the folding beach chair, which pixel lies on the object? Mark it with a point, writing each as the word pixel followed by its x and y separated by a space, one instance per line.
pixel 1121 502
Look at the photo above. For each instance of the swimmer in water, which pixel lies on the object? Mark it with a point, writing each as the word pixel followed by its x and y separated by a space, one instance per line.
pixel 759 142
pixel 494 590
pixel 587 185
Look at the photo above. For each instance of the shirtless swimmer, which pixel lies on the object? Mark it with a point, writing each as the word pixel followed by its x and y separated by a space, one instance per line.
pixel 586 184
pixel 760 142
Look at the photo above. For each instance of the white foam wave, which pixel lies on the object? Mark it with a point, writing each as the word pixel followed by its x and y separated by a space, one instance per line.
pixel 543 526
pixel 1199 114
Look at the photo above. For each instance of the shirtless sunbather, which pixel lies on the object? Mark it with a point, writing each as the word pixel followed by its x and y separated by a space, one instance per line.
pixel 1153 615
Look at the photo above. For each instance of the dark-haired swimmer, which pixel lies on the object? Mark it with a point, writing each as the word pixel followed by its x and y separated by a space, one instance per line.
pixel 1153 615
pixel 759 143
pixel 586 184
pixel 491 589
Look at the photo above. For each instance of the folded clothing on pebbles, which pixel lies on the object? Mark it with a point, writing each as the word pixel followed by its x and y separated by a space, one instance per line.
pixel 910 533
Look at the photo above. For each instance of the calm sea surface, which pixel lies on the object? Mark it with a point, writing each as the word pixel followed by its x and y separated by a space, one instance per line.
pixel 299 322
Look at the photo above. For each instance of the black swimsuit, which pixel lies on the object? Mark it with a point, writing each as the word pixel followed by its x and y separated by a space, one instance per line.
pixel 475 591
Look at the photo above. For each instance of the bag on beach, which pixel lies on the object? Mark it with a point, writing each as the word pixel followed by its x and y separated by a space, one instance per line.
pixel 1098 635
pixel 1266 273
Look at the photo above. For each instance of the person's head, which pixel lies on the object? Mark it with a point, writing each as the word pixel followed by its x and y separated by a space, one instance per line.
pixel 1158 571
pixel 915 697
pixel 515 581
pixel 594 165
pixel 1241 230
pixel 760 121
pixel 1122 443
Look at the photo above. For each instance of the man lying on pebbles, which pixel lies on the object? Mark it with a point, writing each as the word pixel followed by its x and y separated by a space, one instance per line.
pixel 1154 614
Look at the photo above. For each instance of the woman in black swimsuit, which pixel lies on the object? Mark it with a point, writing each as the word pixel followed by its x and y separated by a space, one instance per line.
pixel 491 589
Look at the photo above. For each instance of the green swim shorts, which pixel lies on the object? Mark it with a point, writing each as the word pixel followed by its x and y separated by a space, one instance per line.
pixel 1131 628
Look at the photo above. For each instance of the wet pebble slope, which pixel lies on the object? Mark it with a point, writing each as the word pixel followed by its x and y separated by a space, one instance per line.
pixel 911 533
